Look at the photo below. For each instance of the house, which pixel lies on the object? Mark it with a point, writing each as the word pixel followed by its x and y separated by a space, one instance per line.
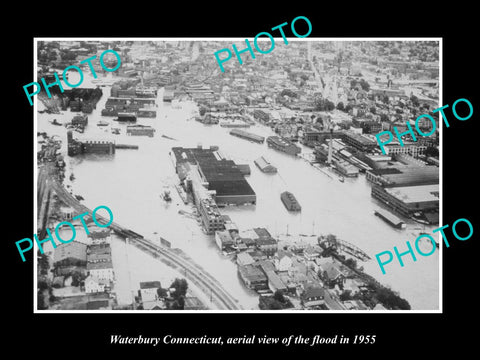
pixel 332 272
pixel 70 253
pixel 149 290
pixel 248 242
pixel 253 277
pixel 312 252
pixel 99 261
pixel 265 265
pixel 99 237
pixel 274 282
pixel 244 258
pixel 297 268
pixel 224 240
pixel 283 260
pixel 94 285
pixel 257 255
pixel 353 285
pixel 267 245
pixel 313 296
pixel 149 298
pixel 290 285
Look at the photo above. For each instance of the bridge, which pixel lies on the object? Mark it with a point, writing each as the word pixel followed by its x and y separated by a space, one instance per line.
pixel 352 250
pixel 174 258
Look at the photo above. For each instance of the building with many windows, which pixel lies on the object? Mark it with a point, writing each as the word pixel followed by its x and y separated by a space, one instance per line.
pixel 408 200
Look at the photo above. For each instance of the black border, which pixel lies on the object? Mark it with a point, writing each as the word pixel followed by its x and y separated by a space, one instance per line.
pixel 407 334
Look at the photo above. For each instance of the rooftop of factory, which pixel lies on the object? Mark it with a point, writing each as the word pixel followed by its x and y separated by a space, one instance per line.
pixel 415 194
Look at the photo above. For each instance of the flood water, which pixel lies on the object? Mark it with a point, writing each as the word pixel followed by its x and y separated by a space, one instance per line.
pixel 131 181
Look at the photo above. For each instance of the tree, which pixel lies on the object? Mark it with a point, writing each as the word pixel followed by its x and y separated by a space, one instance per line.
pixel 351 263
pixel 346 295
pixel 390 299
pixel 161 292
pixel 414 100
pixel 278 295
pixel 42 285
pixel 177 304
pixel 373 110
pixel 365 85
pixel 331 238
pixel 289 93
pixel 329 105
pixel 340 106
pixel 40 301
pixel 180 286
pixel 431 151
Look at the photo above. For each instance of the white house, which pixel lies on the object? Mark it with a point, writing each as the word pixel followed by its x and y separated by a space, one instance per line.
pixel 148 290
pixel 283 261
pixel 93 285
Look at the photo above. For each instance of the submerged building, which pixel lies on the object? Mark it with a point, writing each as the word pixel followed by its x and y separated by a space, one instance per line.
pixel 220 176
pixel 408 200
pixel 76 147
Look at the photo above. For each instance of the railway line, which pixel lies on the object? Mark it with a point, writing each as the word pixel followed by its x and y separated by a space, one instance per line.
pixel 193 272
pixel 201 279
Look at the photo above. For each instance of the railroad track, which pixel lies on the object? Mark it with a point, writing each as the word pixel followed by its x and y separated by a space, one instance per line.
pixel 200 278
pixel 193 272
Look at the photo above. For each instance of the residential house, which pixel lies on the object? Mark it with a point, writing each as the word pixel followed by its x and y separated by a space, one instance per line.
pixel 244 258
pixel 248 242
pixel 99 261
pixel 312 252
pixel 148 294
pixel 257 255
pixel 354 286
pixel 297 268
pixel 290 285
pixel 149 290
pixel 100 237
pixel 275 283
pixel 265 265
pixel 267 245
pixel 224 240
pixel 283 260
pixel 69 253
pixel 313 296
pixel 94 285
pixel 253 277
pixel 332 272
